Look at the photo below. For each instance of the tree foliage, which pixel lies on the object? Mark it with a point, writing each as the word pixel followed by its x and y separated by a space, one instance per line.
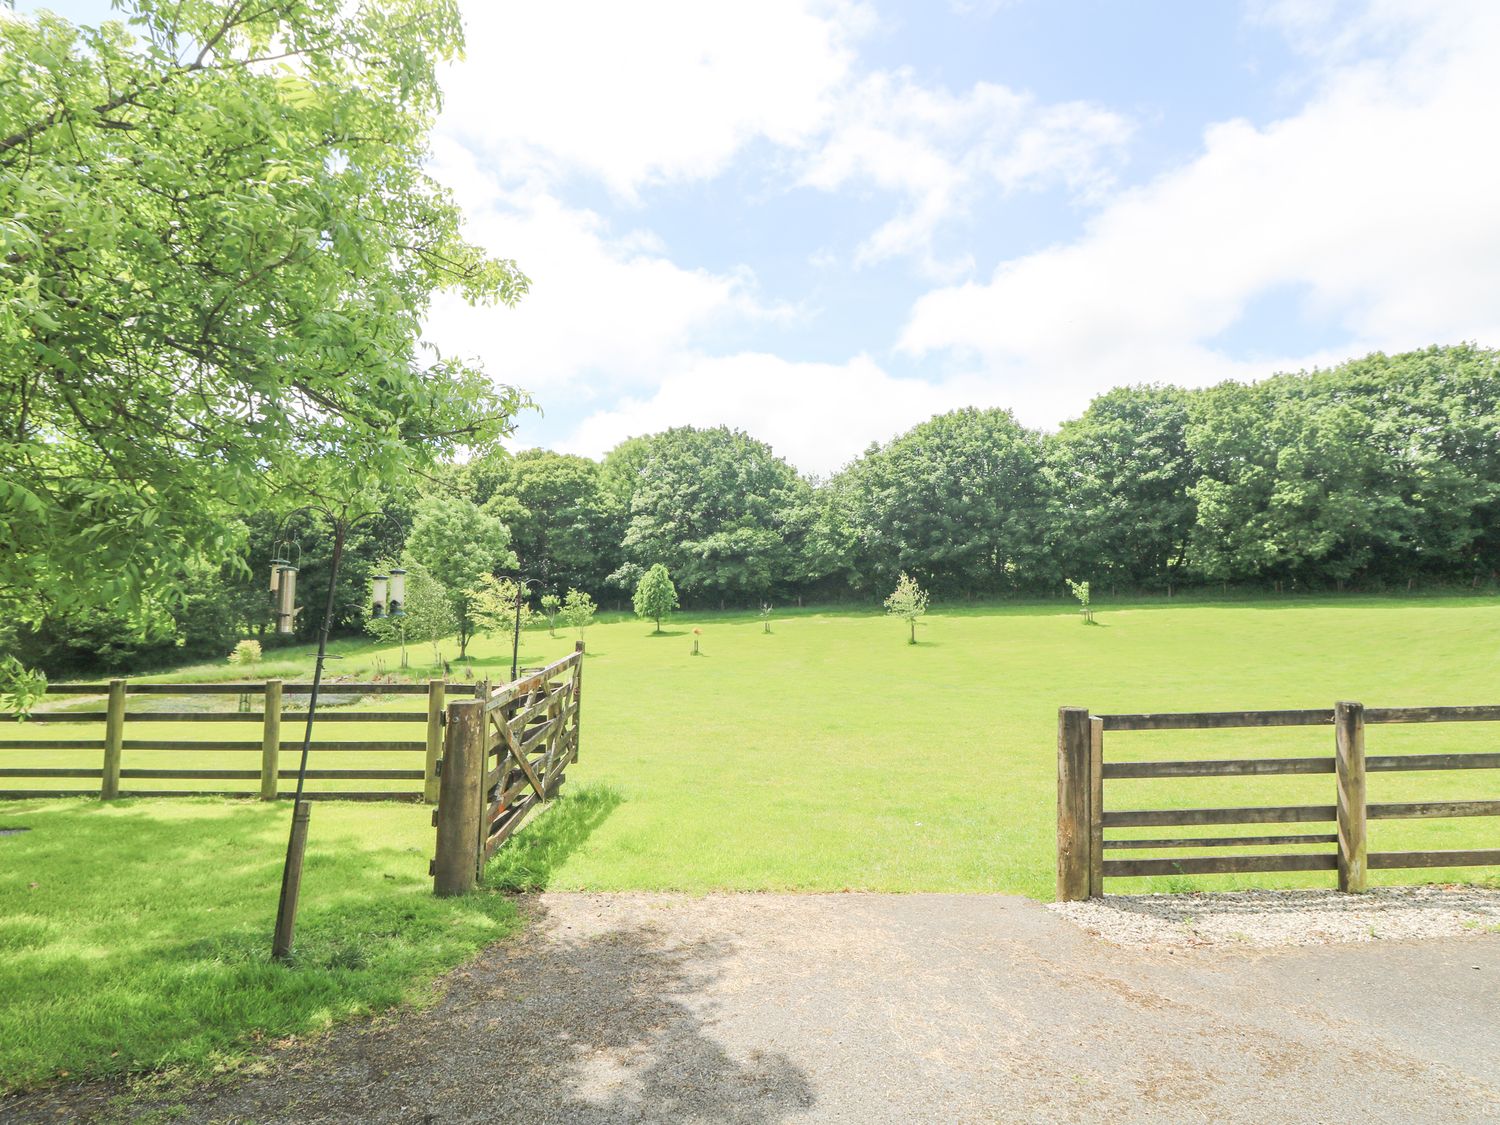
pixel 655 595
pixel 578 611
pixel 565 524
pixel 718 508
pixel 218 240
pixel 460 546
pixel 907 601
pixel 956 501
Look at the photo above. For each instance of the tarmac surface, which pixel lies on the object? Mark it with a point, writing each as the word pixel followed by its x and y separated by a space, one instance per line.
pixel 761 1008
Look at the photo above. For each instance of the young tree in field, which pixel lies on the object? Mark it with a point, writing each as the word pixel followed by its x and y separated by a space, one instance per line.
pixel 460 546
pixel 428 615
pixel 578 611
pixel 220 243
pixel 492 605
pixel 655 596
pixel 1081 592
pixel 908 601
pixel 551 609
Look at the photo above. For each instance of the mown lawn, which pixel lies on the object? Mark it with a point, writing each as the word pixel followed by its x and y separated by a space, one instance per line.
pixel 826 755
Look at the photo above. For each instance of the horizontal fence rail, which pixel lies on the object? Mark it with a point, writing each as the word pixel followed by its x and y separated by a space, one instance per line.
pixel 504 754
pixel 277 732
pixel 1082 817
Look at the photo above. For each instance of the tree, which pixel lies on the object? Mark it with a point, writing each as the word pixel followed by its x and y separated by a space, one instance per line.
pixel 219 242
pixel 1080 591
pixel 459 545
pixel 655 596
pixel 564 524
pixel 908 601
pixel 720 509
pixel 1119 488
pixel 578 611
pixel 428 616
pixel 956 500
pixel 551 608
pixel 494 602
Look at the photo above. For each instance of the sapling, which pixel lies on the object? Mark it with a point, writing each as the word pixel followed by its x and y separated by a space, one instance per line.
pixel 1081 592
pixel 908 601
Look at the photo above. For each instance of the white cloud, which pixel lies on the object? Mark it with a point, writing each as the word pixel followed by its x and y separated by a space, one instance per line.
pixel 634 94
pixel 1377 199
pixel 606 310
pixel 818 416
pixel 942 150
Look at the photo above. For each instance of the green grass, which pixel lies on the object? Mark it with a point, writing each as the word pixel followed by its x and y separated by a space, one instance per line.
pixel 827 755
pixel 136 936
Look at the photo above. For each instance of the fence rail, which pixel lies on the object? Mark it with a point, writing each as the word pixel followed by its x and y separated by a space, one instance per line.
pixel 272 721
pixel 1082 817
pixel 503 755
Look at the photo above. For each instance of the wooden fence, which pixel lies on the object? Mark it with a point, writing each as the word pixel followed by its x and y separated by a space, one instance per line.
pixel 279 732
pixel 503 755
pixel 1083 817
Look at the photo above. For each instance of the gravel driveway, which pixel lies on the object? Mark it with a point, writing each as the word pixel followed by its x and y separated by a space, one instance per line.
pixel 864 1008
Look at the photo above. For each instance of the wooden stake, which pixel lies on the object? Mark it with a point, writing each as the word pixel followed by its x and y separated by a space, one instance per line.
pixel 1349 768
pixel 270 741
pixel 436 692
pixel 114 741
pixel 291 884
pixel 1072 804
pixel 455 868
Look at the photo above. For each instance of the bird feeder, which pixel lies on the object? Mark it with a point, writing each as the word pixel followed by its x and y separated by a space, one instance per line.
pixel 397 600
pixel 380 582
pixel 286 606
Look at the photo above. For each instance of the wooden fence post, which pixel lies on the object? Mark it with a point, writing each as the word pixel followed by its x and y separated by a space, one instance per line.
pixel 1096 807
pixel 270 742
pixel 577 700
pixel 114 741
pixel 455 868
pixel 1072 804
pixel 436 693
pixel 1349 768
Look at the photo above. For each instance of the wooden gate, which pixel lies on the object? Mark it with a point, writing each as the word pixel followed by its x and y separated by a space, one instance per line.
pixel 1082 817
pixel 503 755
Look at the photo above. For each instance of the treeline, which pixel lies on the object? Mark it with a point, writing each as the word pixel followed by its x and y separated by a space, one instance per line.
pixel 1381 473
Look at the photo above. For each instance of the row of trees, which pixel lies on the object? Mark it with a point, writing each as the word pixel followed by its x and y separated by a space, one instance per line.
pixel 1383 471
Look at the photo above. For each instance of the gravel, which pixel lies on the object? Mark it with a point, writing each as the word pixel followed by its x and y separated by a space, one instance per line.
pixel 1264 919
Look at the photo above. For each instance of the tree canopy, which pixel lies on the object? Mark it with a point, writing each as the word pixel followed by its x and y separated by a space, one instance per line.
pixel 218 241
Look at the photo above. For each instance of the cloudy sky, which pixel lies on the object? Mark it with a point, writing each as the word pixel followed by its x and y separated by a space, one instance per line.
pixel 825 221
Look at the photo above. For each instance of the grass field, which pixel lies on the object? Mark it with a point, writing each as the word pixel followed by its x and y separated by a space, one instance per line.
pixel 827 755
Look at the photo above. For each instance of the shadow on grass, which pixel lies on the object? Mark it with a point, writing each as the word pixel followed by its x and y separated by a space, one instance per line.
pixel 528 859
pixel 137 935
pixel 660 633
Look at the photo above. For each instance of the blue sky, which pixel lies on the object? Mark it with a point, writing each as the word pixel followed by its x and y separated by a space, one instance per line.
pixel 825 220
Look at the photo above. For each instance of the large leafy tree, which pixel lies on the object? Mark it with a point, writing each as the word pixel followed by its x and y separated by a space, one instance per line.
pixel 217 244
pixel 1384 468
pixel 458 545
pixel 565 525
pixel 720 510
pixel 956 502
pixel 1119 485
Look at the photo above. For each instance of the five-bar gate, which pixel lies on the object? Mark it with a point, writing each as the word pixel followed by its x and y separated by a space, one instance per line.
pixel 503 754
pixel 1083 816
